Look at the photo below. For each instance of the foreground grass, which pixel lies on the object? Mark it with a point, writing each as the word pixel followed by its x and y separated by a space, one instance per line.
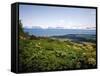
pixel 46 54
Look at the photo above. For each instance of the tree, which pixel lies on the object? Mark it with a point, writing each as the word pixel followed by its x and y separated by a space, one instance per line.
pixel 21 32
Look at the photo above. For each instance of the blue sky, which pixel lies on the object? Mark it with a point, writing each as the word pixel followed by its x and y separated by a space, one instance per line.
pixel 57 17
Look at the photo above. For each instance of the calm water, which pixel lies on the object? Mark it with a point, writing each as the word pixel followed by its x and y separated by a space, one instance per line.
pixel 56 32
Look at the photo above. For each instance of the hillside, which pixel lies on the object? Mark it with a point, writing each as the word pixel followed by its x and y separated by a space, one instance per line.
pixel 44 54
pixel 78 37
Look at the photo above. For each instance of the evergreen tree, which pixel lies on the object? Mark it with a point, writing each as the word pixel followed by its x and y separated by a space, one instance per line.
pixel 21 32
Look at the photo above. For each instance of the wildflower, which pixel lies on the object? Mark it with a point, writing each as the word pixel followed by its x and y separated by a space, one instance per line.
pixel 92 61
pixel 39 43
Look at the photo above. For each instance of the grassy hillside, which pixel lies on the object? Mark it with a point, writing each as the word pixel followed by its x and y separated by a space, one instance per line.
pixel 44 54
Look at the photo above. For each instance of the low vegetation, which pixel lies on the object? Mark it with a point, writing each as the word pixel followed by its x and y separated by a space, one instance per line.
pixel 46 54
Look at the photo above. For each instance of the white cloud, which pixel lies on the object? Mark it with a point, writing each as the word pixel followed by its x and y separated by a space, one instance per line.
pixel 56 24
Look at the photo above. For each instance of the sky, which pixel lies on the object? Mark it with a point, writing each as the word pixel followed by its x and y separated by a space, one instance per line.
pixel 33 16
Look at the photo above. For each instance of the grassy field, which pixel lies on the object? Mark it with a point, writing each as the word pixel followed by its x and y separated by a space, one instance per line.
pixel 45 54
